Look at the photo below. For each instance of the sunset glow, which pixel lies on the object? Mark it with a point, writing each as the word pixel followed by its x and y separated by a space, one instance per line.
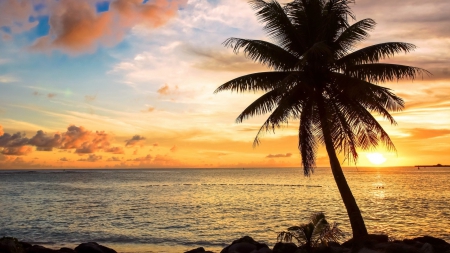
pixel 135 89
pixel 376 158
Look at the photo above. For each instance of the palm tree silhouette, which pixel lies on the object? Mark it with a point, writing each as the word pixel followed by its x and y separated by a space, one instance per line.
pixel 322 80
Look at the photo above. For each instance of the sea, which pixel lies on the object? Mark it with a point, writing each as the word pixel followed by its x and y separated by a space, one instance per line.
pixel 174 210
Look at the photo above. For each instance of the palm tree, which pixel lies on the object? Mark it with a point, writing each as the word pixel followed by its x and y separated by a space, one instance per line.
pixel 316 232
pixel 321 79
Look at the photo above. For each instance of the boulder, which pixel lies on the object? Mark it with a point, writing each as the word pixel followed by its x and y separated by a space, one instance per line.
pixel 10 245
pixel 367 241
pixel 281 247
pixel 400 248
pixel 39 249
pixel 366 250
pixel 245 244
pixel 431 240
pixel 427 248
pixel 93 247
pixel 262 250
pixel 438 245
pixel 242 247
pixel 197 250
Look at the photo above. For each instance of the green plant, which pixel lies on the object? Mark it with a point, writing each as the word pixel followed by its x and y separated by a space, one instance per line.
pixel 317 232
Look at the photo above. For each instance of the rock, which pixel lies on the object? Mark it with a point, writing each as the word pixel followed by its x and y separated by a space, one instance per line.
pixel 427 248
pixel 93 247
pixel 438 245
pixel 10 245
pixel 366 250
pixel 367 241
pixel 263 250
pixel 66 250
pixel 400 248
pixel 39 249
pixel 281 247
pixel 245 244
pixel 242 247
pixel 197 250
pixel 431 240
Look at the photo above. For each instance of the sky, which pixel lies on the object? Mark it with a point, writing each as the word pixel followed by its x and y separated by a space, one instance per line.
pixel 130 84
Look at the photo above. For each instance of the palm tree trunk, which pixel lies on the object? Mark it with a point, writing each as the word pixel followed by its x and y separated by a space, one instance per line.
pixel 357 223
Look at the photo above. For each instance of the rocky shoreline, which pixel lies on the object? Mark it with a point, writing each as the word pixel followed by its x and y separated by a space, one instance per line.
pixel 246 244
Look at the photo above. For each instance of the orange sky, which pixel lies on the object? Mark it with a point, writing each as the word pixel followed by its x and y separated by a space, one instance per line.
pixel 122 84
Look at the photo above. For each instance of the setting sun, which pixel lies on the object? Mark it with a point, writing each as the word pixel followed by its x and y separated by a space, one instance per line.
pixel 376 158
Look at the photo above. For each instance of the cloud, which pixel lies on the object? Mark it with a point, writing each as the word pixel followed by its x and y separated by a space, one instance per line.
pixel 166 90
pixel 147 158
pixel 155 144
pixel 91 158
pixel 115 150
pixel 76 26
pixel 44 142
pixel 174 149
pixel 51 95
pixel 89 98
pixel 15 140
pixel 279 155
pixel 15 15
pixel 1 131
pixel 426 133
pixel 63 159
pixel 18 151
pixel 149 109
pixel 136 140
pixel 210 59
pixel 78 138
pixel 113 159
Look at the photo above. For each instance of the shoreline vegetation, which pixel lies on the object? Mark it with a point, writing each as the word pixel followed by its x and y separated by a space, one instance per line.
pixel 369 244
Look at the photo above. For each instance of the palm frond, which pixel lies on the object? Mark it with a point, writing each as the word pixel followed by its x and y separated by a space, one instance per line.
pixel 277 25
pixel 262 105
pixel 289 107
pixel 383 72
pixel 262 81
pixel 264 52
pixel 374 53
pixel 307 141
pixel 352 35
pixel 373 97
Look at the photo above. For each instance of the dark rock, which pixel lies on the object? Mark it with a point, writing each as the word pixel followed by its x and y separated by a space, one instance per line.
pixel 39 249
pixel 245 244
pixel 323 249
pixel 281 247
pixel 197 250
pixel 25 245
pixel 242 247
pixel 66 250
pixel 262 250
pixel 366 250
pixel 431 240
pixel 400 248
pixel 10 245
pixel 367 241
pixel 93 247
pixel 427 248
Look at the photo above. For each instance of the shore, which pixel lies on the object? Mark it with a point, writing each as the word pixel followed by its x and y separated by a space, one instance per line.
pixel 246 244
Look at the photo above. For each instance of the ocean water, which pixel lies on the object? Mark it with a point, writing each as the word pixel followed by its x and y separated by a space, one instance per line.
pixel 180 209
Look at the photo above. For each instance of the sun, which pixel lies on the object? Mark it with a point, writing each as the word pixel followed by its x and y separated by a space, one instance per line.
pixel 376 158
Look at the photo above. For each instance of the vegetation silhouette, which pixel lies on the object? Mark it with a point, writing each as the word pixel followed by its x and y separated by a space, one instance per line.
pixel 320 78
pixel 317 232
